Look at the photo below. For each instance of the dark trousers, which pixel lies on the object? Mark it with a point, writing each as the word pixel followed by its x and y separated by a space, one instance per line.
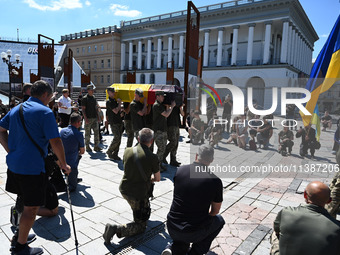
pixel 64 119
pixel 304 149
pixel 73 179
pixel 287 144
pixel 201 239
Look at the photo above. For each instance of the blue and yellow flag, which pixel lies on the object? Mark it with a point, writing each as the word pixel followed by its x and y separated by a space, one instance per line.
pixel 316 122
pixel 325 71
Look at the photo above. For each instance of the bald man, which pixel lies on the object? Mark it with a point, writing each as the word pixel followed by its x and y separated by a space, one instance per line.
pixel 308 229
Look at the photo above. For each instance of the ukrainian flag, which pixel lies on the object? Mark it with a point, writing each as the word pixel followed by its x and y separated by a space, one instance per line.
pixel 316 122
pixel 325 72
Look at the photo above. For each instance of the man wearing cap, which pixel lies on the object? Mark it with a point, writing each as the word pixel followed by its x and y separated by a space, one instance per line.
pixel 89 108
pixel 197 199
pixel 113 110
pixel 64 108
pixel 160 115
pixel 137 111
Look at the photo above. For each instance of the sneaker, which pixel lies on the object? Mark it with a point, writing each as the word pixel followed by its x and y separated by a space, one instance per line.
pixel 88 148
pixel 97 148
pixel 30 239
pixel 79 180
pixel 27 251
pixel 167 250
pixel 110 231
pixel 15 216
pixel 312 157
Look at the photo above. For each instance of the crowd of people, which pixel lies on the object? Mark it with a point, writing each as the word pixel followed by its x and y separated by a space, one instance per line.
pixel 193 221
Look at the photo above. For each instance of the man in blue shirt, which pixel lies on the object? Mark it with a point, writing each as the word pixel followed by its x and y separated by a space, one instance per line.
pixel 26 167
pixel 73 142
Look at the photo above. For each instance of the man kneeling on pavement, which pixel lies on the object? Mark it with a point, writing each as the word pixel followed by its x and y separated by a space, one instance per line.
pixel 193 217
pixel 307 229
pixel 141 169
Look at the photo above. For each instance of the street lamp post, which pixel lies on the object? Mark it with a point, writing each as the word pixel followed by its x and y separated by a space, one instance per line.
pixel 6 58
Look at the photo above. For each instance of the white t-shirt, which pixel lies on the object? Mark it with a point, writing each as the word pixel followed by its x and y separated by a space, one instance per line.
pixel 65 101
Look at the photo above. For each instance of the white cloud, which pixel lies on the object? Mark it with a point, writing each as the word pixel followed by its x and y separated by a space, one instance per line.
pixel 324 36
pixel 123 10
pixel 55 5
pixel 87 3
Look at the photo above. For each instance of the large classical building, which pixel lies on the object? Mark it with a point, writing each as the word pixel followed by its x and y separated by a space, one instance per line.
pixel 97 51
pixel 248 43
pixel 254 43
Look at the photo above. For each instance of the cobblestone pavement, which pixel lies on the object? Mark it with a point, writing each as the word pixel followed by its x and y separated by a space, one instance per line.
pixel 250 204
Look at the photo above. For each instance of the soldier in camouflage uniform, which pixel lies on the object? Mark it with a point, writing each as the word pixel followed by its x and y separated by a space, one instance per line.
pixel 113 110
pixel 128 124
pixel 160 115
pixel 140 170
pixel 173 123
pixel 137 111
pixel 89 107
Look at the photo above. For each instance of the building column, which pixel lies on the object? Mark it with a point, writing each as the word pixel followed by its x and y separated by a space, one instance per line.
pixel 289 50
pixel 278 50
pixel 293 53
pixel 148 63
pixel 122 56
pixel 206 48
pixel 250 43
pixel 169 50
pixel 284 46
pixel 300 56
pixel 219 47
pixel 267 37
pixel 296 48
pixel 159 52
pixel 139 55
pixel 130 55
pixel 234 46
pixel 181 51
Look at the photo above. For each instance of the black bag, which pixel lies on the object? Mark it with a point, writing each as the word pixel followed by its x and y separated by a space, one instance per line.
pixel 316 144
pixel 57 180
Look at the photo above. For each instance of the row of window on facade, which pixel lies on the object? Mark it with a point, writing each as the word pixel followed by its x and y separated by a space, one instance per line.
pixel 100 79
pixel 95 66
pixel 89 48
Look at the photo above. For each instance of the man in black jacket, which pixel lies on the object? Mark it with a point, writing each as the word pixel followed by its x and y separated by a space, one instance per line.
pixel 308 141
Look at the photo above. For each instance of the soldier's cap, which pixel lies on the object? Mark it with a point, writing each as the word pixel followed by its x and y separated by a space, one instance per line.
pixel 65 90
pixel 112 89
pixel 139 92
pixel 159 93
pixel 90 87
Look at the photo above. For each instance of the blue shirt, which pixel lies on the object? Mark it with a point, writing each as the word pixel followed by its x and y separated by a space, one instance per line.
pixel 24 157
pixel 72 141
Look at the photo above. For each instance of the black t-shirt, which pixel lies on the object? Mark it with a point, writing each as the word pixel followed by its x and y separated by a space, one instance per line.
pixel 192 198
pixel 174 118
pixel 138 121
pixel 127 116
pixel 159 121
pixel 326 118
pixel 90 104
pixel 111 104
pixel 265 133
pixel 227 107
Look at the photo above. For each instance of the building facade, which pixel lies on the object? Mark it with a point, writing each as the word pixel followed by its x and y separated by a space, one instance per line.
pixel 256 43
pixel 97 53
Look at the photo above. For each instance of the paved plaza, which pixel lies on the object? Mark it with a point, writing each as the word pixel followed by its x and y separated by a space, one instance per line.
pixel 249 208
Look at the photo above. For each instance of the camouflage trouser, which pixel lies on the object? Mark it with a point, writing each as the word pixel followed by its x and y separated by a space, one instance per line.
pixel 117 137
pixel 275 249
pixel 141 213
pixel 171 147
pixel 160 140
pixel 333 206
pixel 93 124
pixel 129 132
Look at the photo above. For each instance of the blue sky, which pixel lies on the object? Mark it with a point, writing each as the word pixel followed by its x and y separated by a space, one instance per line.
pixel 54 18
